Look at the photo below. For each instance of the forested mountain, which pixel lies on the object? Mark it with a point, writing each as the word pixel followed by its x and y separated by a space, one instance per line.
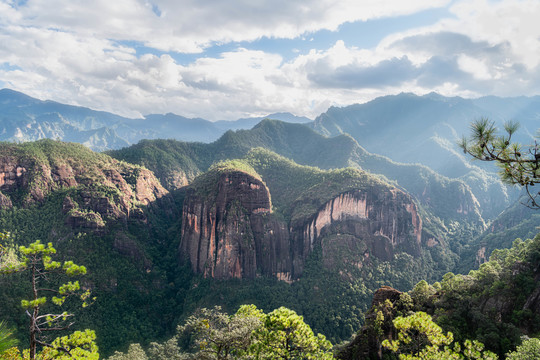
pixel 341 231
pixel 497 305
pixel 424 129
pixel 111 216
pixel 23 118
pixel 277 215
pixel 178 162
pixel 406 128
pixel 449 200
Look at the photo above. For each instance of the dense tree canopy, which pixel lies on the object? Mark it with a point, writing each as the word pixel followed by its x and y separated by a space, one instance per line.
pixel 248 334
pixel 520 164
pixel 286 336
pixel 420 338
pixel 528 350
pixel 36 261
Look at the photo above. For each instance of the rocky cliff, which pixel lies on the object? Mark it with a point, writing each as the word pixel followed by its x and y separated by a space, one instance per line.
pixel 230 231
pixel 380 221
pixel 97 187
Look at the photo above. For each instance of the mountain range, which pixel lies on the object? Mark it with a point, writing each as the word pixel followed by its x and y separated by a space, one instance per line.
pixel 24 118
pixel 306 214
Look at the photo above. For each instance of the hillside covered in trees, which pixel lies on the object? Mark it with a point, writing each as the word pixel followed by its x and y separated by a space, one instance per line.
pixel 257 231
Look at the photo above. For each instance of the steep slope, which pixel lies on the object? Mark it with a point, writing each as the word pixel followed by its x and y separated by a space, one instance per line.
pixel 517 221
pixel 172 160
pixel 175 163
pixel 29 172
pixel 223 211
pixel 424 129
pixel 108 215
pixel 454 210
pixel 230 229
pixel 496 304
pixel 410 128
pixel 331 236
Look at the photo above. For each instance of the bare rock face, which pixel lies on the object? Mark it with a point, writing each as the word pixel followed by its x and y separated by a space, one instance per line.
pixel 232 233
pixel 217 231
pixel 12 174
pixel 371 222
pixel 105 188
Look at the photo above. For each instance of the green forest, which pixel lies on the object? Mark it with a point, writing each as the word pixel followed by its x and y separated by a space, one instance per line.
pixel 91 263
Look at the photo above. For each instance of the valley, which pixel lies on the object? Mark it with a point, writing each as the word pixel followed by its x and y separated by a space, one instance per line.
pixel 315 216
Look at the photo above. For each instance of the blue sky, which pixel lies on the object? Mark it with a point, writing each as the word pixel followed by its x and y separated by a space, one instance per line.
pixel 230 59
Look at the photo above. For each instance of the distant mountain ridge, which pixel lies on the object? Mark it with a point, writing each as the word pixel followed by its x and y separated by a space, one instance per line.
pixel 23 118
pixel 424 129
pixel 406 128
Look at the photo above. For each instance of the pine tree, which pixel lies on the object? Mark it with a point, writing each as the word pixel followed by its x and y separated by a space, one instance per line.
pixel 36 261
pixel 519 164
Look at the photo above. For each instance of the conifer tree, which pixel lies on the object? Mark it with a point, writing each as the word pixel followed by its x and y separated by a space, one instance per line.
pixel 36 261
pixel 519 164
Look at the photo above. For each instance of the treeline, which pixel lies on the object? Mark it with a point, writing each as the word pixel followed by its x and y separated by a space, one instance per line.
pixel 481 315
pixel 494 305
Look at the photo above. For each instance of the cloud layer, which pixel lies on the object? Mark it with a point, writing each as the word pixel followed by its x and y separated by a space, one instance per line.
pixel 124 56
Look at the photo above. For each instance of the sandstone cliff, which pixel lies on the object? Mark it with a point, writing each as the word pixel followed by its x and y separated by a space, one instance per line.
pixel 230 231
pixel 367 222
pixel 99 187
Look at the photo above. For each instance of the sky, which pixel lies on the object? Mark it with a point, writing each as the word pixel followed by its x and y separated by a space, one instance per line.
pixel 230 59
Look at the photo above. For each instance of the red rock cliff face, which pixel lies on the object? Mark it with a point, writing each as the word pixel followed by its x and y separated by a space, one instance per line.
pixel 366 223
pixel 228 233
pixel 232 233
pixel 93 204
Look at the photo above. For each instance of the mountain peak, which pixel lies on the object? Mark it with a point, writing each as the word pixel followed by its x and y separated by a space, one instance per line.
pixel 10 96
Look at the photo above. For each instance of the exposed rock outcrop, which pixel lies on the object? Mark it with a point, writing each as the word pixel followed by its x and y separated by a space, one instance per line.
pixel 230 232
pixel 218 228
pixel 380 222
pixel 103 188
pixel 367 342
pixel 385 293
pixel 12 174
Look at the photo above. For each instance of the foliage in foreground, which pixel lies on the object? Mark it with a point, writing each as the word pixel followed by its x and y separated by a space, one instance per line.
pixel 420 338
pixel 248 334
pixel 6 338
pixel 78 346
pixel 519 164
pixel 36 260
pixel 528 350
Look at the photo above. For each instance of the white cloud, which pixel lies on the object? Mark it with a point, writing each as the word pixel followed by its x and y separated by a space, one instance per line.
pixel 486 48
pixel 477 68
pixel 191 25
pixel 514 22
pixel 78 52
